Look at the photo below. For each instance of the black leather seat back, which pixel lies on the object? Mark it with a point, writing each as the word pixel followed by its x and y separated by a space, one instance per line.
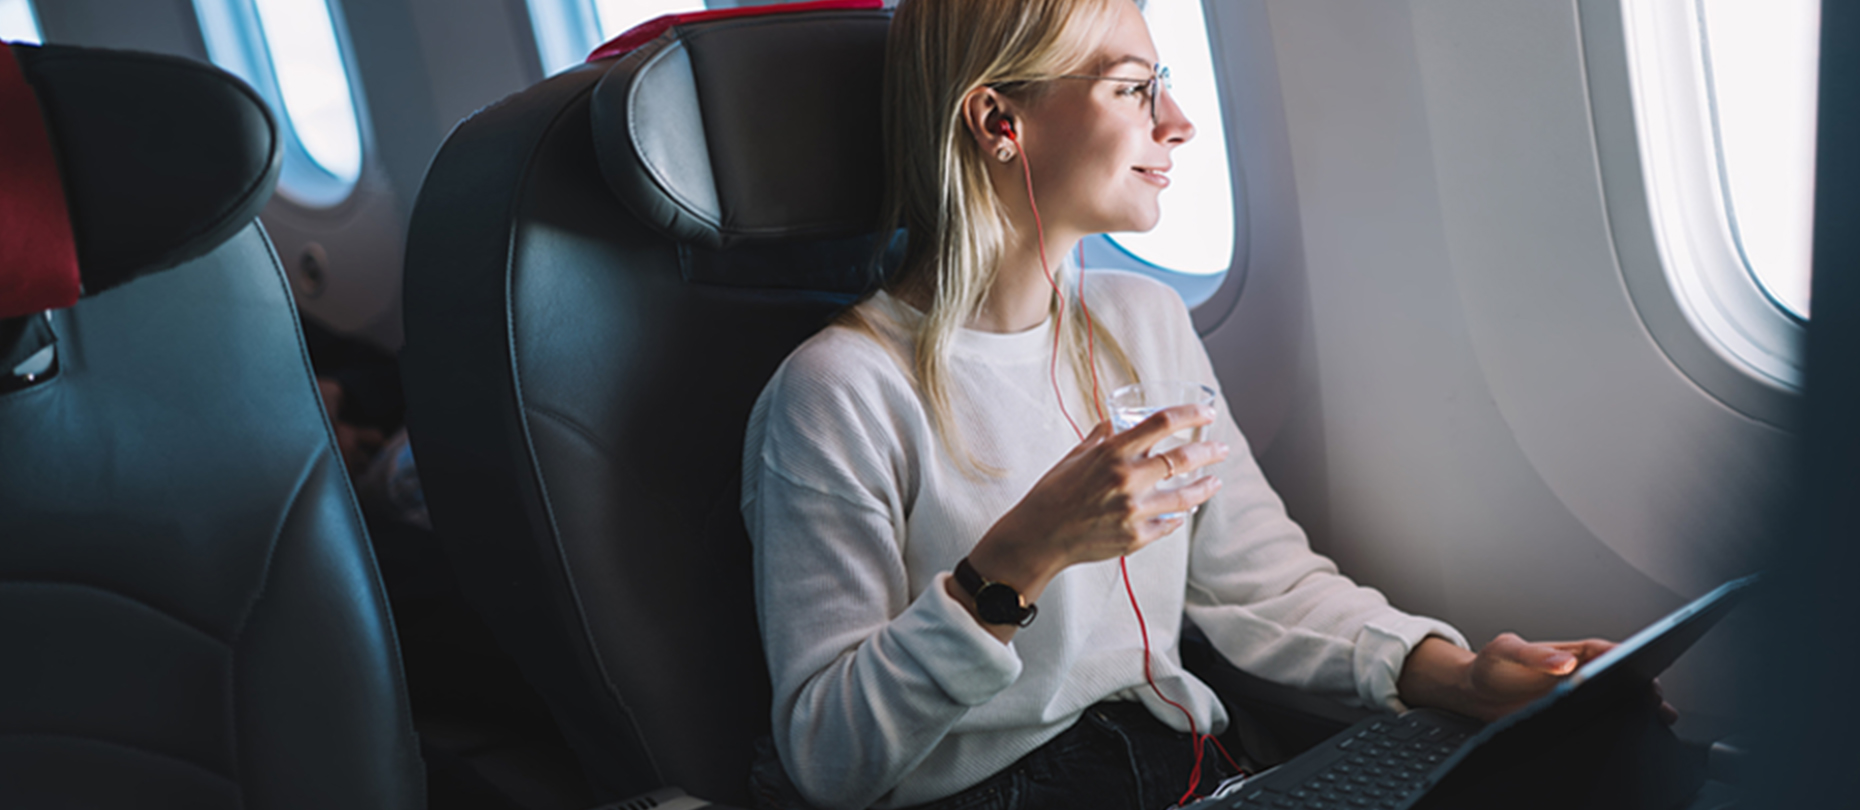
pixel 587 330
pixel 189 610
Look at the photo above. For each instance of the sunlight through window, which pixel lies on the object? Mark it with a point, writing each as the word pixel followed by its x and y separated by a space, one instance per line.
pixel 616 16
pixel 315 87
pixel 18 23
pixel 1761 62
pixel 1196 235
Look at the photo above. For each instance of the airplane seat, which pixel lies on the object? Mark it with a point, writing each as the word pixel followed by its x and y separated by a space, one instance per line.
pixel 602 272
pixel 190 614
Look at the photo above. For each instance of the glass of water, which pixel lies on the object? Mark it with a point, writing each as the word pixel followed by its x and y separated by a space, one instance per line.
pixel 1136 402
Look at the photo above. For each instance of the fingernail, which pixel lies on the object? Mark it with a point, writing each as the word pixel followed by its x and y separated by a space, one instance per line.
pixel 1223 448
pixel 1560 659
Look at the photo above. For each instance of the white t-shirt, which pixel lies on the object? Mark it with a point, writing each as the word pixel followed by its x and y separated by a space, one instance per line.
pixel 887 692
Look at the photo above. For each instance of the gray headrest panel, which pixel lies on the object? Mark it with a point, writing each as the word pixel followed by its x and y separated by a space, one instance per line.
pixel 749 131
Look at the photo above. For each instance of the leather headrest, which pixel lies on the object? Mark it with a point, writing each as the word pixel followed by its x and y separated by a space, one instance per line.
pixel 162 158
pixel 749 129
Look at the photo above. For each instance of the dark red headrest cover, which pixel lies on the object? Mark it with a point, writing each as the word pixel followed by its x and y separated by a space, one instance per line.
pixel 649 30
pixel 38 256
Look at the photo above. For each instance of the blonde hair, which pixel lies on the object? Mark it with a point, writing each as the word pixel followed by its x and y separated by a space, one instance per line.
pixel 938 188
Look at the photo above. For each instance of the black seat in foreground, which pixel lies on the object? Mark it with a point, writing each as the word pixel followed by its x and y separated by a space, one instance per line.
pixel 602 272
pixel 189 610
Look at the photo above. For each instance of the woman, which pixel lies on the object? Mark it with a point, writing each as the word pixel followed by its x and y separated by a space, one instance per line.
pixel 918 436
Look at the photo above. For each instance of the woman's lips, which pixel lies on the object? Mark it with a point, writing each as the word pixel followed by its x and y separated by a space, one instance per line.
pixel 1155 176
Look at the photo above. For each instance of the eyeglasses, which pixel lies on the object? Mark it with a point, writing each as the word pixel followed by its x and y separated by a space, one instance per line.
pixel 1150 88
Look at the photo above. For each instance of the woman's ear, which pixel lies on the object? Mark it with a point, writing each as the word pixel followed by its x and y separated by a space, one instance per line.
pixel 990 121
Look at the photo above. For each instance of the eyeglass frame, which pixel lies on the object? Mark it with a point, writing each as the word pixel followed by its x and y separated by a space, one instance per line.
pixel 1156 84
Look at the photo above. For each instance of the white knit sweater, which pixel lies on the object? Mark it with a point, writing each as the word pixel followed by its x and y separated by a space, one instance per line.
pixel 886 691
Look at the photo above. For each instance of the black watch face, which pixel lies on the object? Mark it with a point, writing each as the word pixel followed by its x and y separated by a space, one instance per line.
pixel 998 604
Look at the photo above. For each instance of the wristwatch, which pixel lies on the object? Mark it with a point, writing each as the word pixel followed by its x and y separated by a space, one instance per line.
pixel 995 602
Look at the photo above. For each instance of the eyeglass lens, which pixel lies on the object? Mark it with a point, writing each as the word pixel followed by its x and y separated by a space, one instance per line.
pixel 1158 83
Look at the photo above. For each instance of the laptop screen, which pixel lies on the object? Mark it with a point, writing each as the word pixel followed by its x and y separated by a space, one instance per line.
pixel 1589 722
pixel 1653 649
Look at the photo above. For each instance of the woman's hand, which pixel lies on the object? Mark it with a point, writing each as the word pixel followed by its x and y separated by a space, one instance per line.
pixel 1099 502
pixel 1504 676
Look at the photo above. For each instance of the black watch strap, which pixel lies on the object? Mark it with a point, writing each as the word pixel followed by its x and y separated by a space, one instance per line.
pixel 995 602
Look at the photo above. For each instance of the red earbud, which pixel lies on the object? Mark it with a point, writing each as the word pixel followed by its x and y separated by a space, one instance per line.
pixel 1006 127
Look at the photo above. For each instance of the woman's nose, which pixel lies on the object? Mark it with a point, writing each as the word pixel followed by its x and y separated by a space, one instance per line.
pixel 1172 125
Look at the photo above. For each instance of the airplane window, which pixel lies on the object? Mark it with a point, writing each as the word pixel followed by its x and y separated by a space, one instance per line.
pixel 616 16
pixel 565 32
pixel 1761 66
pixel 1193 246
pixel 568 30
pixel 18 23
pixel 316 92
pixel 1724 115
pixel 288 50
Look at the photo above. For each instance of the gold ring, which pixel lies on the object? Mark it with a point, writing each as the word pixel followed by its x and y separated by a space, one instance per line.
pixel 1168 463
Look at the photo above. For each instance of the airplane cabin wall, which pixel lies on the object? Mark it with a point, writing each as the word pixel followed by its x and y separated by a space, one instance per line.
pixel 162 26
pixel 1434 354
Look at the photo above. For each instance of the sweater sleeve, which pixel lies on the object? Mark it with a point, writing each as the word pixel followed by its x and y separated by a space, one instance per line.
pixel 1270 604
pixel 867 677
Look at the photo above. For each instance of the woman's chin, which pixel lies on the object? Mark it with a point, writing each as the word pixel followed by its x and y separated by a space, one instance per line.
pixel 1140 224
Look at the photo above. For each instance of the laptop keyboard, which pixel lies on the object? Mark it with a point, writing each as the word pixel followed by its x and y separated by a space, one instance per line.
pixel 1382 765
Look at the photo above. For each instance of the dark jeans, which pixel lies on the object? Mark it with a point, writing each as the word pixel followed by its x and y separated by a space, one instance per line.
pixel 1117 756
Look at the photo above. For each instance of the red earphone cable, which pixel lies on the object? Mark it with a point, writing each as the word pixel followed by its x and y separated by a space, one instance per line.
pixel 1059 320
pixel 1194 732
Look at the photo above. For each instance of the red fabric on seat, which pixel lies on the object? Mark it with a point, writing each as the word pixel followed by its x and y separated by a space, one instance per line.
pixel 649 30
pixel 38 256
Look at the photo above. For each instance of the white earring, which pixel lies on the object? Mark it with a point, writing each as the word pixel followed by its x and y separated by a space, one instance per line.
pixel 1004 154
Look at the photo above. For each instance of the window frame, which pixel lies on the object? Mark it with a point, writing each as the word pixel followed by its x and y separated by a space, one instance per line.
pixel 236 42
pixel 1661 183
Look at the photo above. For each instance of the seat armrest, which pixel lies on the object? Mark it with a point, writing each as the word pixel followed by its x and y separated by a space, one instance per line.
pixel 1272 721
